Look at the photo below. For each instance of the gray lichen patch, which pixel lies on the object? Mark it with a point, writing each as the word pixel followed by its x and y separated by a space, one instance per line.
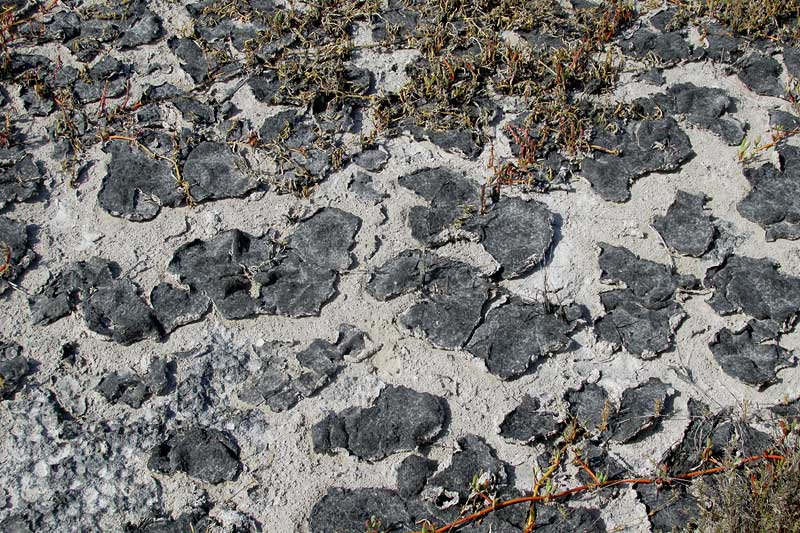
pixel 412 473
pixel 756 288
pixel 137 185
pixel 743 357
pixel 203 453
pixel 452 198
pixel 669 508
pixel 774 200
pixel 641 410
pixel 474 457
pixel 518 234
pixel 349 510
pixel 363 187
pixel 61 295
pixel 134 390
pixel 529 424
pixel 669 48
pixel 645 146
pixel 687 227
pixel 712 436
pixel 643 317
pixel 111 307
pixel 515 335
pixel 400 419
pixel 325 239
pixel 282 376
pixel 213 172
pixel 600 462
pixel 650 281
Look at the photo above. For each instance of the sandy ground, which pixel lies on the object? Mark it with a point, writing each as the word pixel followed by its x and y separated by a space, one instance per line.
pixel 281 482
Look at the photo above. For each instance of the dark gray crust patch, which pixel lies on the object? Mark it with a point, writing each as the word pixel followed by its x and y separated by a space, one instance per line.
pixel 400 419
pixel 645 146
pixel 774 199
pixel 686 228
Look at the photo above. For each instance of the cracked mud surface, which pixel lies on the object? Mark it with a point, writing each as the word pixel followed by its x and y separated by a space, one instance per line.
pixel 241 294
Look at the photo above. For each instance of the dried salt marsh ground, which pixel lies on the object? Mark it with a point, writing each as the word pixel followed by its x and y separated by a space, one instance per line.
pixel 264 271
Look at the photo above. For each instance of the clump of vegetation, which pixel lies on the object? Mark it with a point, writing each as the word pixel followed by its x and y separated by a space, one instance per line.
pixel 767 19
pixel 757 498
